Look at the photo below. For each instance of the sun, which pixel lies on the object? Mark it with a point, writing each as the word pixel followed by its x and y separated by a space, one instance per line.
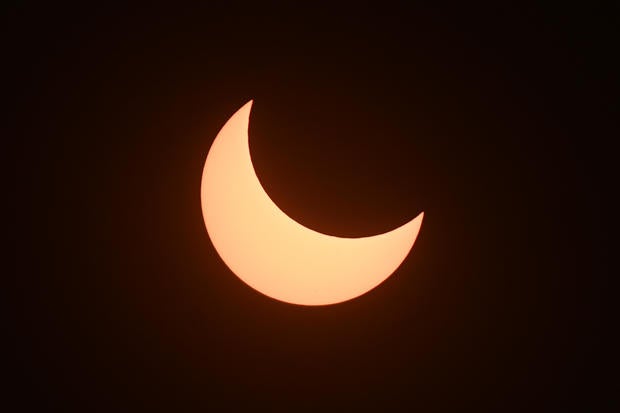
pixel 276 255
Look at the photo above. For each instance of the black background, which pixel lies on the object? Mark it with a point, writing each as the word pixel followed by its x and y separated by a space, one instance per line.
pixel 495 122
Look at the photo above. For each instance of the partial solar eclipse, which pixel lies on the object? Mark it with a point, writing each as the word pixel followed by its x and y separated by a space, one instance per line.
pixel 276 255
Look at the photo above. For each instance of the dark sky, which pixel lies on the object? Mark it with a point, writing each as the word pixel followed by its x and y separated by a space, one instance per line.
pixel 496 123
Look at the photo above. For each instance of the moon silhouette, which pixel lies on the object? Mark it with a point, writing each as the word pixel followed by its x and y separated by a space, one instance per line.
pixel 273 253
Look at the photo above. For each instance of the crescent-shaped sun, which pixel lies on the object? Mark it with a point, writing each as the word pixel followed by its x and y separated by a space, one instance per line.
pixel 276 255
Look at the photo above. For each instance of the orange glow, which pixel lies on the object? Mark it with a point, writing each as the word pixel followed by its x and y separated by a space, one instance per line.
pixel 276 255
